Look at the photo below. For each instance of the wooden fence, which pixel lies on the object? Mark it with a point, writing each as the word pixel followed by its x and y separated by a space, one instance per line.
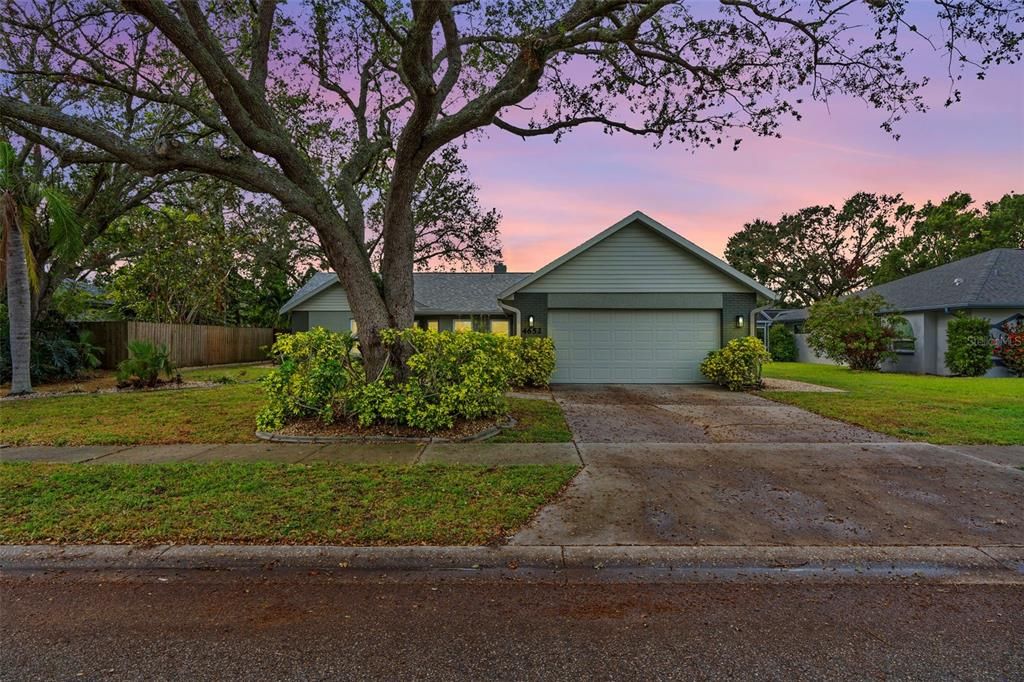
pixel 189 344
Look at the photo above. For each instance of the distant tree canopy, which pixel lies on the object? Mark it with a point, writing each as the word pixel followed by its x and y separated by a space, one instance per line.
pixel 951 230
pixel 820 252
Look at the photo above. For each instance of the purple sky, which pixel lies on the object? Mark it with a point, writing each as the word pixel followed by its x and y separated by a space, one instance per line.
pixel 555 196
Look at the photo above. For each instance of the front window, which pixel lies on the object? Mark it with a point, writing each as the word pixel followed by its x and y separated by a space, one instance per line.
pixel 463 325
pixel 353 326
pixel 499 326
pixel 433 325
pixel 904 340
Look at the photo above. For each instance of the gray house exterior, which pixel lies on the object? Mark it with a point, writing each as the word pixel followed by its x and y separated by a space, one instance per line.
pixel 988 285
pixel 637 303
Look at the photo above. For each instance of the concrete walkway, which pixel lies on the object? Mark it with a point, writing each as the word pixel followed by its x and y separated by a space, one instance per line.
pixel 486 454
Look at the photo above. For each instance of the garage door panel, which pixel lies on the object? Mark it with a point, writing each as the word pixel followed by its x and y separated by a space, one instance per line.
pixel 632 346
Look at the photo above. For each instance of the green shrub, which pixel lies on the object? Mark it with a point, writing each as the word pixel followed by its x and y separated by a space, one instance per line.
pixel 314 367
pixel 968 345
pixel 59 350
pixel 738 365
pixel 450 376
pixel 782 343
pixel 146 362
pixel 537 360
pixel 853 331
pixel 1010 346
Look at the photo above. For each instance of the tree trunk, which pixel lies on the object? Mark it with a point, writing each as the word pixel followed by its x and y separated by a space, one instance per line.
pixel 19 298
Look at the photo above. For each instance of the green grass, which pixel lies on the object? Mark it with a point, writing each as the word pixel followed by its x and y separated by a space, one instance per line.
pixel 223 414
pixel 227 373
pixel 537 421
pixel 264 502
pixel 944 410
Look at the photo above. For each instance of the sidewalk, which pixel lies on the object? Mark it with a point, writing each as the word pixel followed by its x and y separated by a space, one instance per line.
pixel 485 454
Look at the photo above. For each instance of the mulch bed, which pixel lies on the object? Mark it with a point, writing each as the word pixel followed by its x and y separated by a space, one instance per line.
pixel 351 429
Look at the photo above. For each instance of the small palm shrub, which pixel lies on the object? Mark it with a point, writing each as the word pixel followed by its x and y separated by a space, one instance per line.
pixel 782 343
pixel 738 365
pixel 145 363
pixel 968 345
pixel 1009 348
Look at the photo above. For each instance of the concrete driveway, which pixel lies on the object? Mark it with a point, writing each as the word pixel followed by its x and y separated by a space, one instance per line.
pixel 783 494
pixel 698 465
pixel 639 413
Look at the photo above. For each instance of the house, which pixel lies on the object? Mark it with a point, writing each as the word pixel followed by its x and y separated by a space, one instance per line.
pixel 637 303
pixel 989 285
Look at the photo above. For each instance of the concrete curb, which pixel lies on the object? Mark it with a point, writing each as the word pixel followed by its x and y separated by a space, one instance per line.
pixel 1000 563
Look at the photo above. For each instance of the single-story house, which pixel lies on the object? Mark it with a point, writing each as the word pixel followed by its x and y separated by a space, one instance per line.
pixel 637 303
pixel 989 285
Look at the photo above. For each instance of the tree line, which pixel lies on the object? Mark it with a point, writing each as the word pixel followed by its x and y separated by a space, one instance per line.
pixel 822 252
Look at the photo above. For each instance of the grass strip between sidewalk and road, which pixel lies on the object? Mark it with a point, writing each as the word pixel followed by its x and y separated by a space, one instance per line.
pixel 271 503
pixel 942 410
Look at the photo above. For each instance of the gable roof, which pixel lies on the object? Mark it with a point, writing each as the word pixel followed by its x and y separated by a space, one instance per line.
pixel 651 223
pixel 438 293
pixel 993 279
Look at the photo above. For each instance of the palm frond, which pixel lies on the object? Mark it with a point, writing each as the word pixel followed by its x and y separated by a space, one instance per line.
pixel 65 228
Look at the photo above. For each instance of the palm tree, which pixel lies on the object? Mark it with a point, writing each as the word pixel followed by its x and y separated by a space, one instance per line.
pixel 22 207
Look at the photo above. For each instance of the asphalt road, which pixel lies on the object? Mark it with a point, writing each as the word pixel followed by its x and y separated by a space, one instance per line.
pixel 278 625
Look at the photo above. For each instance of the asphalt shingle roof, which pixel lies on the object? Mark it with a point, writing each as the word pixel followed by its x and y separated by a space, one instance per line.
pixel 454 293
pixel 991 279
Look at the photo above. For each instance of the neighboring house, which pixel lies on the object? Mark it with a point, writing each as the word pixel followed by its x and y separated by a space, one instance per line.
pixel 989 285
pixel 636 304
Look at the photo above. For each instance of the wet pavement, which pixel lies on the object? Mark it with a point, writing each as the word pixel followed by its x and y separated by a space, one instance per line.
pixel 173 625
pixel 782 494
pixel 628 413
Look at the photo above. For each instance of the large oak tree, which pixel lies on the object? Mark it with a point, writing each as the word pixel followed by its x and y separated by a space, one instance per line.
pixel 301 103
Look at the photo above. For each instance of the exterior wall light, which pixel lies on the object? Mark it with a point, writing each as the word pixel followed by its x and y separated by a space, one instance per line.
pixel 739 322
pixel 529 321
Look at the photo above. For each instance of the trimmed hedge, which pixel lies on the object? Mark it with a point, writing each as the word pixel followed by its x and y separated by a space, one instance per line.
pixel 450 376
pixel 969 346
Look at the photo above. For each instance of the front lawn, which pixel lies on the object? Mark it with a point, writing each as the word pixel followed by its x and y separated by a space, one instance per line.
pixel 270 503
pixel 944 410
pixel 222 414
pixel 537 421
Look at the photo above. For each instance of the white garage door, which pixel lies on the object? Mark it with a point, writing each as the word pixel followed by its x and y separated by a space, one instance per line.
pixel 632 346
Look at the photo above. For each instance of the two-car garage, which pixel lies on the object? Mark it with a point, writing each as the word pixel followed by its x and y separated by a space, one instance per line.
pixel 637 303
pixel 632 346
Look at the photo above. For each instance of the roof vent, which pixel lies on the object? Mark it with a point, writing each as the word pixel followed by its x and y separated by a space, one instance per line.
pixel 500 268
pixel 958 281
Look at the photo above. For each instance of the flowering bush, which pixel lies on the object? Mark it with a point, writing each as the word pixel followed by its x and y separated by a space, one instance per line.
pixel 738 365
pixel 1009 347
pixel 968 347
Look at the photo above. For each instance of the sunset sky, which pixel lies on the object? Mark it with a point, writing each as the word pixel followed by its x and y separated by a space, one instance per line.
pixel 555 196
